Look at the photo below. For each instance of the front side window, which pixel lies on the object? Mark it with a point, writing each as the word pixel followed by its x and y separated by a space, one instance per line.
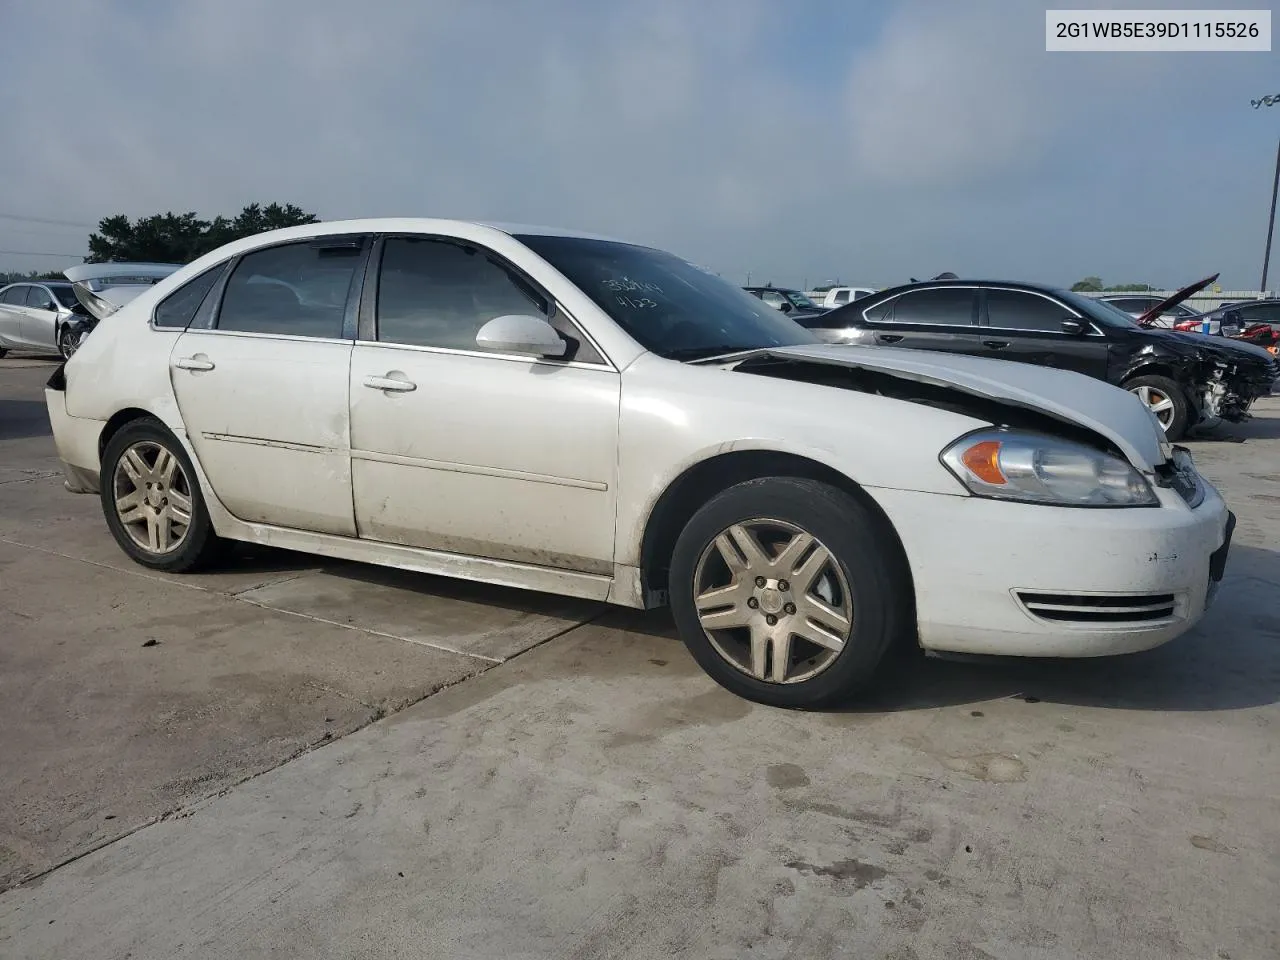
pixel 179 308
pixel 842 296
pixel 1262 312
pixel 1014 310
pixel 437 293
pixel 666 304
pixel 65 295
pixel 296 289
pixel 39 298
pixel 950 306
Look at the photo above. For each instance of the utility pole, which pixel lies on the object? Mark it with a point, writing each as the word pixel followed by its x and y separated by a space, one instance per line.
pixel 1275 187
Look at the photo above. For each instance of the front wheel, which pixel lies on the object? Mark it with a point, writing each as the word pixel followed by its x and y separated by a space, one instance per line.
pixel 69 341
pixel 1166 400
pixel 788 591
pixel 152 501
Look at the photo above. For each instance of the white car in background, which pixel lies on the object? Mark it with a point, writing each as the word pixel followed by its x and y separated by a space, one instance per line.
pixel 578 415
pixel 834 297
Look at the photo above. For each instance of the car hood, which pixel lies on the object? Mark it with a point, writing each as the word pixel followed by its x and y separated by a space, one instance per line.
pixel 1223 347
pixel 1113 413
pixel 1159 309
pixel 103 288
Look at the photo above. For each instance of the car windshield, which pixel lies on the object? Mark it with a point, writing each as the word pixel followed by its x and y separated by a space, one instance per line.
pixel 66 296
pixel 1100 311
pixel 666 304
pixel 800 300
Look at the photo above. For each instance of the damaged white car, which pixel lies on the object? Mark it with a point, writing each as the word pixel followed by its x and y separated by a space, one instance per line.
pixel 583 416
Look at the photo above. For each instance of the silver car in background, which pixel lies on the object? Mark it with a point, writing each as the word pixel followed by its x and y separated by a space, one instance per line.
pixel 36 316
pixel 54 317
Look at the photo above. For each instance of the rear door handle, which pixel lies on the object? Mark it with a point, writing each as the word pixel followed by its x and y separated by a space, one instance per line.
pixel 193 363
pixel 995 344
pixel 390 383
pixel 888 337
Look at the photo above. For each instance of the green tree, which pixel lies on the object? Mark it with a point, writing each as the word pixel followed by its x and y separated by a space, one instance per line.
pixel 1088 285
pixel 1130 288
pixel 183 237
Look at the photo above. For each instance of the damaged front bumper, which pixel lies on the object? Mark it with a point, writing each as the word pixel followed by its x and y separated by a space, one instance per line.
pixel 1231 388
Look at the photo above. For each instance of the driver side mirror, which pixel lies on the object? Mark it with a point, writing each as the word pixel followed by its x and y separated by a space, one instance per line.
pixel 1073 326
pixel 521 334
pixel 785 306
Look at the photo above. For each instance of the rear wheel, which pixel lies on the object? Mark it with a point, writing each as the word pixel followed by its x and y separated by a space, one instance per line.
pixel 152 501
pixel 788 591
pixel 3 352
pixel 1166 400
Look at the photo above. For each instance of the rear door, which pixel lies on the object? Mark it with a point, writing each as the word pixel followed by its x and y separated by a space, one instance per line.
pixel 1026 326
pixel 13 305
pixel 936 318
pixel 264 390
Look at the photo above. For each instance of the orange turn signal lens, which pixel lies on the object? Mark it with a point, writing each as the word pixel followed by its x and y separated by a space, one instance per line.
pixel 983 461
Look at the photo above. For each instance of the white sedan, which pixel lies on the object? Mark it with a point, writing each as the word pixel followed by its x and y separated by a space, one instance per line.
pixel 583 416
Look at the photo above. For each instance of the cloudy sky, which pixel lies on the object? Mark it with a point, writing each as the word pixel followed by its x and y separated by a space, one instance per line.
pixel 794 139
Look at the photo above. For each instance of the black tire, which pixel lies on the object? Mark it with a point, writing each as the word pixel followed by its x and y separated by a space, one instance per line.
pixel 1179 420
pixel 3 352
pixel 858 540
pixel 199 545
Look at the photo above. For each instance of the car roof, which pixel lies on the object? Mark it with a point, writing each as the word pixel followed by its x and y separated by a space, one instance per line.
pixel 1006 284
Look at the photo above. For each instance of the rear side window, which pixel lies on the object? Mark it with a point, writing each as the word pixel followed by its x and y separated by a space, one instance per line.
pixel 949 306
pixel 1013 310
pixel 178 308
pixel 15 295
pixel 842 296
pixel 296 289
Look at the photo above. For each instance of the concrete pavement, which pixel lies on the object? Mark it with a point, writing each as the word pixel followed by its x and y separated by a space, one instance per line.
pixel 549 781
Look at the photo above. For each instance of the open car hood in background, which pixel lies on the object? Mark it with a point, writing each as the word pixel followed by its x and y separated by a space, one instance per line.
pixel 1158 310
pixel 103 288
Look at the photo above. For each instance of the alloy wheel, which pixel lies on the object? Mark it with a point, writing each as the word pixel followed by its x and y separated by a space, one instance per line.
pixel 773 601
pixel 1157 402
pixel 152 496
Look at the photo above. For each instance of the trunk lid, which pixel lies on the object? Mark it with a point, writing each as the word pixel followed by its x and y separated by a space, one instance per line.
pixel 103 288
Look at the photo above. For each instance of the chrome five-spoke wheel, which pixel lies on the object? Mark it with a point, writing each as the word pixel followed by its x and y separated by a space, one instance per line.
pixel 773 601
pixel 1158 402
pixel 152 496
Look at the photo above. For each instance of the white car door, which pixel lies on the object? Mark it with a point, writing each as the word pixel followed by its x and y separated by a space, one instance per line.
pixel 455 449
pixel 263 390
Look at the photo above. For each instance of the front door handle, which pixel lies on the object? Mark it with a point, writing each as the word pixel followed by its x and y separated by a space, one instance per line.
pixel 888 337
pixel 390 383
pixel 995 344
pixel 193 363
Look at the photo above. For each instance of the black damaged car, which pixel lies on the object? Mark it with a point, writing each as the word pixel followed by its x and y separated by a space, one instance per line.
pixel 1188 380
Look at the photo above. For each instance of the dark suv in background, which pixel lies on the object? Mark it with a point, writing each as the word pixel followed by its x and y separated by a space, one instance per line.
pixel 1185 379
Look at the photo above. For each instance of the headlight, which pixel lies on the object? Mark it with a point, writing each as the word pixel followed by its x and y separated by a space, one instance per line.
pixel 1037 469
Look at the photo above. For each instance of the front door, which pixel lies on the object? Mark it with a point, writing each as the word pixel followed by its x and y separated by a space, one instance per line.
pixel 39 318
pixel 263 393
pixel 1027 327
pixel 455 449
